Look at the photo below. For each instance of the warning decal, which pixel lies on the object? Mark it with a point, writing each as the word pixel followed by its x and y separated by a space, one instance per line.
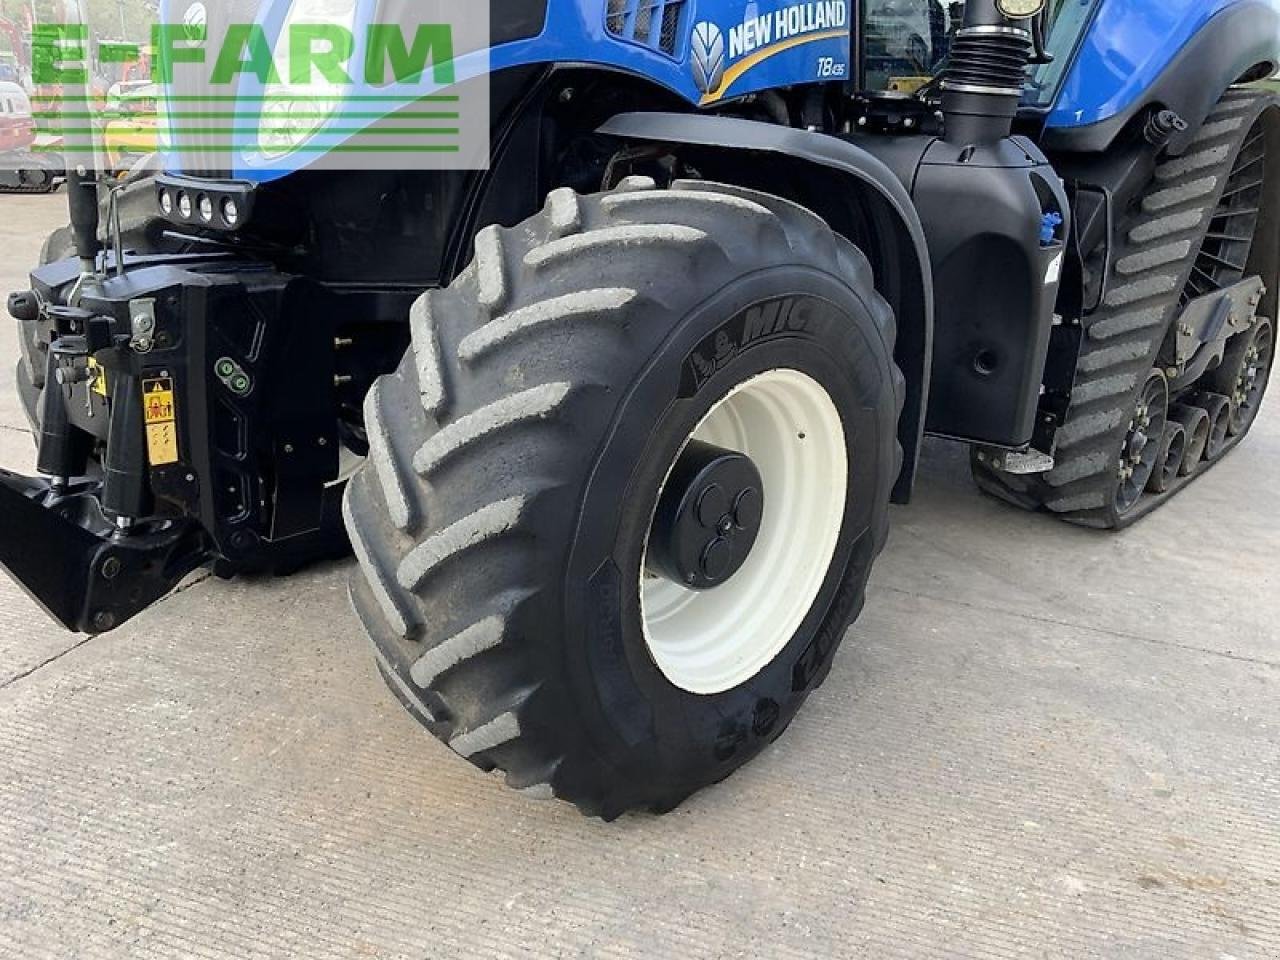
pixel 157 399
pixel 160 416
pixel 98 378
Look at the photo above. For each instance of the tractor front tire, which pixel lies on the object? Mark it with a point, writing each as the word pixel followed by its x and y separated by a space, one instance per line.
pixel 521 454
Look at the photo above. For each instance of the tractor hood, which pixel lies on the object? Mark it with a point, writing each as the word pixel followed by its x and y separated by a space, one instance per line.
pixel 705 51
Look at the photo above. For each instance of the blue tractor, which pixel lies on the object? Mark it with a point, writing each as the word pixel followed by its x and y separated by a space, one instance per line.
pixel 613 425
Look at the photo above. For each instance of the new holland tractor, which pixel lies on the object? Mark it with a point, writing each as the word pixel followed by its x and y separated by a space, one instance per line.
pixel 614 424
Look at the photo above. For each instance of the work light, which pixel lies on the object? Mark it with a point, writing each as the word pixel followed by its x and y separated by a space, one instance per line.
pixel 292 113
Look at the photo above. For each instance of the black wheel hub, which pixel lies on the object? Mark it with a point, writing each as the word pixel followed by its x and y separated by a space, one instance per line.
pixel 707 518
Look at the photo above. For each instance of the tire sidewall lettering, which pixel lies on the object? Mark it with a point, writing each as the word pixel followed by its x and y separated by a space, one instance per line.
pixel 759 324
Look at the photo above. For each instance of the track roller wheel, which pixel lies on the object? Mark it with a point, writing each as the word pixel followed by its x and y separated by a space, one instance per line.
pixel 1195 424
pixel 1173 450
pixel 1219 409
pixel 1245 374
pixel 1141 454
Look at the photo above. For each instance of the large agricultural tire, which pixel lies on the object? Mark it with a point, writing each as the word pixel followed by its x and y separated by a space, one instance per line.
pixel 502 521
pixel 1158 244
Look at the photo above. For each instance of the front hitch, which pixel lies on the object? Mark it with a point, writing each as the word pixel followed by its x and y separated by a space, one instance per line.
pixel 188 417
pixel 88 575
pixel 187 411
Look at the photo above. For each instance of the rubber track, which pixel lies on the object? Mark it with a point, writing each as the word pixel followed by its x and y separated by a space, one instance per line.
pixel 13 191
pixel 1152 263
pixel 471 392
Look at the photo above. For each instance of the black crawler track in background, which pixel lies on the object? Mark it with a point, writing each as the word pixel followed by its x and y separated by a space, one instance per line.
pixel 1224 253
pixel 1189 233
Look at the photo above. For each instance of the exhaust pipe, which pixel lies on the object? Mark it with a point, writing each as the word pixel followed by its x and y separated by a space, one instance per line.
pixel 82 200
pixel 81 160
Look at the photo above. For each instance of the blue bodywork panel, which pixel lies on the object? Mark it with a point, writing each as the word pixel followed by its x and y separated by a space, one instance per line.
pixel 1126 46
pixel 713 50
pixel 720 48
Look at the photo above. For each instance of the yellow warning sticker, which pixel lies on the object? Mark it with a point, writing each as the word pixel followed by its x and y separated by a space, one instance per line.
pixel 97 378
pixel 157 400
pixel 160 416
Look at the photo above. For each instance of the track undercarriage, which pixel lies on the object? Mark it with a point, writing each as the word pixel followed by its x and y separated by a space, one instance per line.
pixel 1173 362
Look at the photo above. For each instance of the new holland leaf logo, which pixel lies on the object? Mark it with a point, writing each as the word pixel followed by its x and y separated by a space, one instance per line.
pixel 708 57
pixel 194 22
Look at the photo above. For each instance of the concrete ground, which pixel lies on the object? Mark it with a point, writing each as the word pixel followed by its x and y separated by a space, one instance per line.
pixel 1038 741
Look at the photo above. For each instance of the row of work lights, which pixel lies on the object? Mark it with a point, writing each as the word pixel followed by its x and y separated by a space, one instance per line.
pixel 199 207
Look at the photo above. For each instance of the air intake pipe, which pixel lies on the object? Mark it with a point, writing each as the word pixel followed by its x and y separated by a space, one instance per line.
pixel 984 80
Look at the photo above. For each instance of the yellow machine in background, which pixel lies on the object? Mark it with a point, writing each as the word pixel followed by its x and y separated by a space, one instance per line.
pixel 132 124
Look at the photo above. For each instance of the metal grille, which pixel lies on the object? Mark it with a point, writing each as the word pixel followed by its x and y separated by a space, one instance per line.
pixel 650 23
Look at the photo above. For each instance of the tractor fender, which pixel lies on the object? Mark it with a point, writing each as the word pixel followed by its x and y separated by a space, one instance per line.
pixel 1237 43
pixel 856 192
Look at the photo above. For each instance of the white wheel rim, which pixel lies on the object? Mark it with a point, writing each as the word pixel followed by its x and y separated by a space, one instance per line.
pixel 710 641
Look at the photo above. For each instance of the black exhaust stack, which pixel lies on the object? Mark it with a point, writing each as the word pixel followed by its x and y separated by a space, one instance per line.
pixel 82 199
pixel 81 162
pixel 984 81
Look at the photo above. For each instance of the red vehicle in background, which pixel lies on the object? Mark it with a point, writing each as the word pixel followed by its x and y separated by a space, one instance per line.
pixel 17 127
pixel 22 169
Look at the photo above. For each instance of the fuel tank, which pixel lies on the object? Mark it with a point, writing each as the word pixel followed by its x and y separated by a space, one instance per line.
pixel 996 217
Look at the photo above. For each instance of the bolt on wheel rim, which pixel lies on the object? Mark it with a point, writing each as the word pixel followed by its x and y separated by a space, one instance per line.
pixel 710 641
pixel 1254 375
pixel 1140 454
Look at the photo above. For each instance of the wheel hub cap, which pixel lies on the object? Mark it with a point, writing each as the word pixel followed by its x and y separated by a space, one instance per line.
pixel 758 562
pixel 708 517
